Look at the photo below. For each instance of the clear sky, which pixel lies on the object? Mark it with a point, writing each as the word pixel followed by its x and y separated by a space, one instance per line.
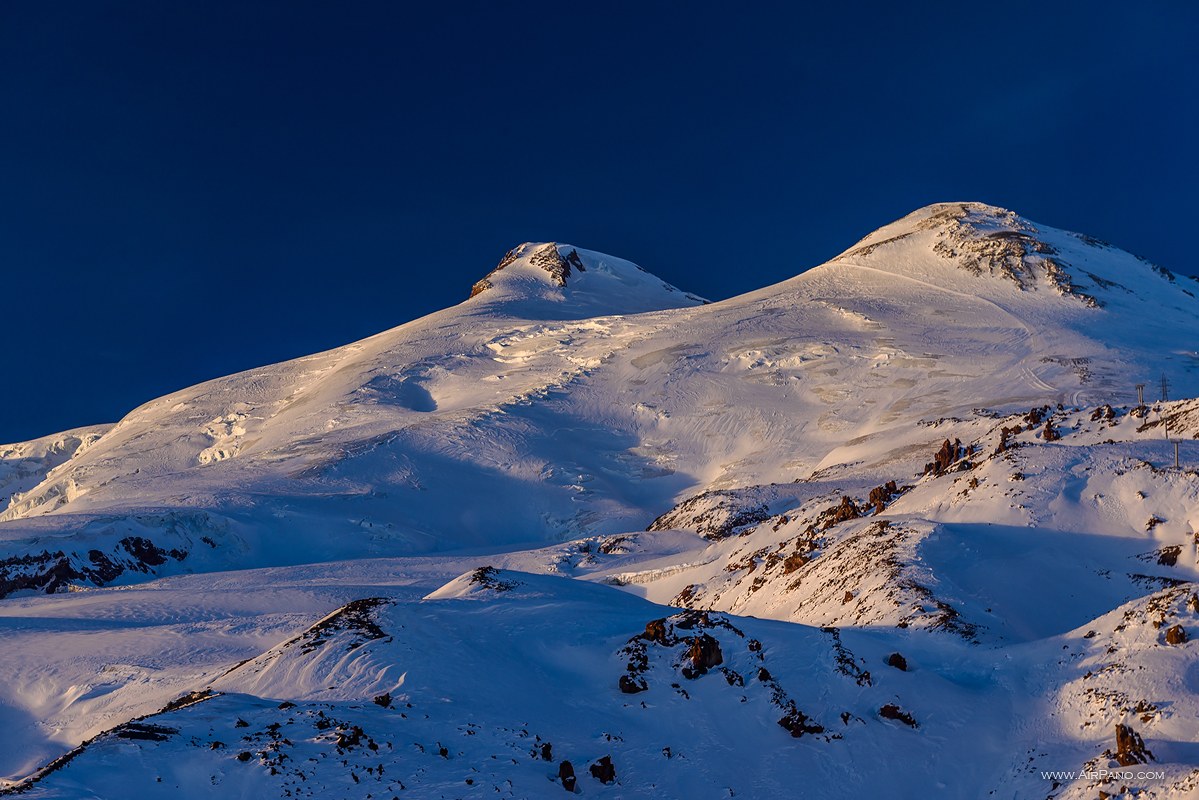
pixel 192 189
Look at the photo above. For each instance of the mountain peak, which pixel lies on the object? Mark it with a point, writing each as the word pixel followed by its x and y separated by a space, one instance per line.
pixel 951 244
pixel 575 281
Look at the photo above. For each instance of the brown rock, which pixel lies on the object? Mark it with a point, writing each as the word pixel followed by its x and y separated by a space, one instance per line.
pixel 898 661
pixel 1130 747
pixel 848 598
pixel 847 510
pixel 1176 634
pixel 704 653
pixel 655 631
pixel 793 562
pixel 881 495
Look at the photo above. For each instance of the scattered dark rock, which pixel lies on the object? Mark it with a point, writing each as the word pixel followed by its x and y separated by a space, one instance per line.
pixel 1176 634
pixel 244 756
pixel 898 661
pixel 847 598
pixel 1103 413
pixel 764 674
pixel 603 770
pixel 286 704
pixel 1153 522
pixel 1050 433
pixel 241 723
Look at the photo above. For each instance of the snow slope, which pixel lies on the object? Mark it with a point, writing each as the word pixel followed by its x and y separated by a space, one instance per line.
pixel 927 446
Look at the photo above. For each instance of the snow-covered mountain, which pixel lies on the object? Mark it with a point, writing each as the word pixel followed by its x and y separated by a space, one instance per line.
pixel 913 530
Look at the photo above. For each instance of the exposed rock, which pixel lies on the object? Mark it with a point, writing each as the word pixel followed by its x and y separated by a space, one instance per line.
pixel 655 631
pixel 703 654
pixel 898 661
pixel 892 711
pixel 566 774
pixel 383 700
pixel 1130 747
pixel 1176 634
pixel 488 578
pixel 54 572
pixel 797 723
pixel 631 685
pixel 949 453
pixel 715 514
pixel 846 510
pixel 603 770
pixel 1050 433
pixel 1168 556
pixel 881 495
pixel 793 562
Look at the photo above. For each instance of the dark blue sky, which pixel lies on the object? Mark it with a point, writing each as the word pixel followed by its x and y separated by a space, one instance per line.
pixel 192 189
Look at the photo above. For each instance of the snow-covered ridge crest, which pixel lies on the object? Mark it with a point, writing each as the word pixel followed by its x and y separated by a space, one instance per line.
pixel 981 240
pixel 571 277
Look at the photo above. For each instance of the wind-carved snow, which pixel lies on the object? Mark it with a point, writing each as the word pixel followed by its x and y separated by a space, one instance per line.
pixel 907 497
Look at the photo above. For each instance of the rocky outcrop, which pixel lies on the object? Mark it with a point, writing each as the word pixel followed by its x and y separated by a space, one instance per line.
pixel 717 514
pixel 843 512
pixel 949 454
pixel 603 770
pixel 566 774
pixel 1130 748
pixel 892 711
pixel 1176 634
pixel 703 654
pixel 54 572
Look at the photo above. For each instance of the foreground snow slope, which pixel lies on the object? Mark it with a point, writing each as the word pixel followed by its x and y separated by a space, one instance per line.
pixel 905 496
